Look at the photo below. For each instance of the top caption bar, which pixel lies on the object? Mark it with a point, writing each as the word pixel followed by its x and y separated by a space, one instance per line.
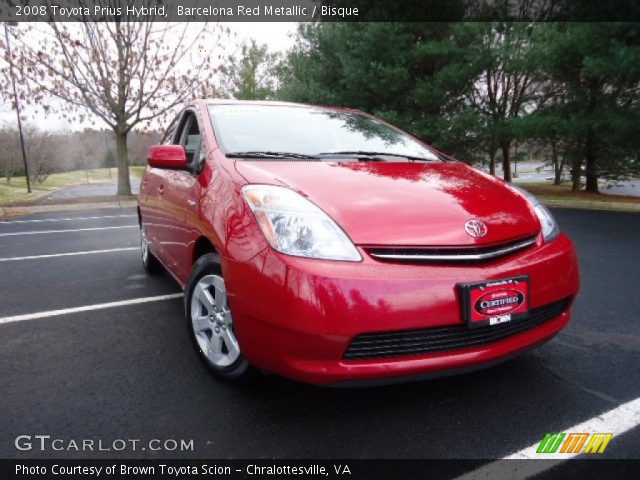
pixel 318 10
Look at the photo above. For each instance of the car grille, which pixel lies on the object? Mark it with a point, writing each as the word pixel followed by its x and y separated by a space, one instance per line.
pixel 451 254
pixel 428 340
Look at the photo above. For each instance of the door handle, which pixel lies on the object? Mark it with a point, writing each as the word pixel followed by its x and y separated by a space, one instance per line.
pixel 191 203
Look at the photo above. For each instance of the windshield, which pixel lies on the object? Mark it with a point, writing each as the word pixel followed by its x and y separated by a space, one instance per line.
pixel 310 133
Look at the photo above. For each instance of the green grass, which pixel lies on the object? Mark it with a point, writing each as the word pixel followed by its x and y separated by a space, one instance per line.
pixel 547 191
pixel 547 183
pixel 16 191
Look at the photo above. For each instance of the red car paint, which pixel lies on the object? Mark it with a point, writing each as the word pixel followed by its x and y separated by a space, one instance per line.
pixel 167 156
pixel 297 316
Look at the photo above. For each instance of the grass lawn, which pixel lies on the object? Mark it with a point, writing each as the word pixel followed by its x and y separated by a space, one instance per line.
pixel 564 192
pixel 16 191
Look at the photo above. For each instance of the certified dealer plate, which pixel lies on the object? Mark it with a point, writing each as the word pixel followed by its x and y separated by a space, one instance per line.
pixel 494 302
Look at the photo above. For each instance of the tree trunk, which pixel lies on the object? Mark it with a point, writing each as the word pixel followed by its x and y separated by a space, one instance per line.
pixel 506 160
pixel 591 153
pixel 492 161
pixel 124 184
pixel 576 167
pixel 591 156
pixel 557 165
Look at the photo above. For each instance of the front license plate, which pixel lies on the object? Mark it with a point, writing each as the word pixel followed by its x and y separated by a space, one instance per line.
pixel 494 302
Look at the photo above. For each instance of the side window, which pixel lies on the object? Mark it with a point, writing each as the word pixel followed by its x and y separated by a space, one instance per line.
pixel 190 138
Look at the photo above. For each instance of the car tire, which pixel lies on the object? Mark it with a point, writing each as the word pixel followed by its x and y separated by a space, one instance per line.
pixel 210 323
pixel 150 263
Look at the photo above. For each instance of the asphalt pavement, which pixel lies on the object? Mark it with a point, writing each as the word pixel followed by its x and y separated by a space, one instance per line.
pixel 129 371
pixel 93 190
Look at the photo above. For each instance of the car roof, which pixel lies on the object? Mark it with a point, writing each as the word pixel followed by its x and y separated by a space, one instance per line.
pixel 228 101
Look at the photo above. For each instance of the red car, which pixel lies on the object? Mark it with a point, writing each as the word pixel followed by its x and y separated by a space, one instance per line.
pixel 325 245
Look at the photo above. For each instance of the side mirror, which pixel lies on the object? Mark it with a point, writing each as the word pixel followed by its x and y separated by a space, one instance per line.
pixel 167 156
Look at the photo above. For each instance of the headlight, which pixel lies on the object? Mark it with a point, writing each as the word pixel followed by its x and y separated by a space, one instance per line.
pixel 550 228
pixel 295 226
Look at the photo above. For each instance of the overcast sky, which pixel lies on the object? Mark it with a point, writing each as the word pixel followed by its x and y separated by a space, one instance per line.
pixel 279 37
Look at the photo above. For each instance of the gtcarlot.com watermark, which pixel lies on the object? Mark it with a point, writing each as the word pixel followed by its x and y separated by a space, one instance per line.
pixel 45 443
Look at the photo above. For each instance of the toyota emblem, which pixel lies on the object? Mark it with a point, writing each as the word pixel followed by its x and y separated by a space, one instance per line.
pixel 475 228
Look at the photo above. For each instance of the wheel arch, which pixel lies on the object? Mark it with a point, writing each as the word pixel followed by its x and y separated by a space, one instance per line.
pixel 201 247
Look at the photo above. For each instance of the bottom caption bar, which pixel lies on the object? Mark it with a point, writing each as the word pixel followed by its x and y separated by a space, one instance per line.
pixel 347 469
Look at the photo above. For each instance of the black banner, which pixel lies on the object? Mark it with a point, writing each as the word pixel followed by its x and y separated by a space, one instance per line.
pixel 318 10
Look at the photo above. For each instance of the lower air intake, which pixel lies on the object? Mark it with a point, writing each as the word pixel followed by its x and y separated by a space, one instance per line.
pixel 440 339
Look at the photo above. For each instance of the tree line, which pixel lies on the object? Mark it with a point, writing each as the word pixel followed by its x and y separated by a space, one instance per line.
pixel 477 90
pixel 61 151
pixel 481 91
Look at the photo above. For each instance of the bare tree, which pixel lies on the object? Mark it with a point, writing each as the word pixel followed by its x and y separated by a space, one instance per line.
pixel 139 144
pixel 126 73
pixel 10 160
pixel 44 150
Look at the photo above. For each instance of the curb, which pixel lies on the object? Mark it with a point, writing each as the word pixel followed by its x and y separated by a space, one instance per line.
pixel 591 205
pixel 18 211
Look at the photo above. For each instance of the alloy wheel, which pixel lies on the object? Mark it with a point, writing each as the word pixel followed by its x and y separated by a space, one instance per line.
pixel 212 323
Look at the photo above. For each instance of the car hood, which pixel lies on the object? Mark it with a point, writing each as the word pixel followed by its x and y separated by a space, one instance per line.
pixel 404 204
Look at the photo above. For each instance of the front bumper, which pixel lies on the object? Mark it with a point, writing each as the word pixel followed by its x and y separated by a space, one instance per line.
pixel 296 317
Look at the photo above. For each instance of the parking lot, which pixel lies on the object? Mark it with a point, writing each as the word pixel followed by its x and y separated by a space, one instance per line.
pixel 92 347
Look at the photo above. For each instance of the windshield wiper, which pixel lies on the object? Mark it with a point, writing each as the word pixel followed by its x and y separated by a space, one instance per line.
pixel 268 154
pixel 373 155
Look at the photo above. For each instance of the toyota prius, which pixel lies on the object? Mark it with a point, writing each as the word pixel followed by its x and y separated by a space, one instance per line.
pixel 325 245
